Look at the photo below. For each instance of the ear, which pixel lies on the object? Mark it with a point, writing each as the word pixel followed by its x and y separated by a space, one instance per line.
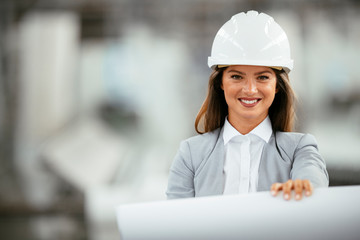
pixel 277 87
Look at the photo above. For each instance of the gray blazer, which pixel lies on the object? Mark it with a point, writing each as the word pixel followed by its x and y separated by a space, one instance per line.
pixel 197 169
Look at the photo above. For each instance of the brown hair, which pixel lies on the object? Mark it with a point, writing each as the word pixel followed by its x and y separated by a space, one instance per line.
pixel 214 109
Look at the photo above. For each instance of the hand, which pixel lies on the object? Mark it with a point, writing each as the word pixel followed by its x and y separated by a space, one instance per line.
pixel 298 185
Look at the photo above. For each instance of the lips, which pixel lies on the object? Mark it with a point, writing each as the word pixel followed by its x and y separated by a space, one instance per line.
pixel 249 102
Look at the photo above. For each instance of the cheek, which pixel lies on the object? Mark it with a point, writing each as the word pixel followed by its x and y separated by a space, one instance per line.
pixel 231 93
pixel 227 94
pixel 227 88
pixel 271 88
pixel 270 91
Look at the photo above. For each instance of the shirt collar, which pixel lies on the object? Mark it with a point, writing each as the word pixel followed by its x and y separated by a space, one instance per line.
pixel 263 130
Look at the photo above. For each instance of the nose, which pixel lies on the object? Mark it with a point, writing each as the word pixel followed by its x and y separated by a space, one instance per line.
pixel 250 86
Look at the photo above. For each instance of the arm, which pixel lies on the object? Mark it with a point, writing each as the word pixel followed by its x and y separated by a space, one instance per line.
pixel 308 170
pixel 181 176
pixel 308 163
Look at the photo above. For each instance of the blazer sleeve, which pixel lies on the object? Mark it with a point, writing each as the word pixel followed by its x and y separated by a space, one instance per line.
pixel 181 176
pixel 308 163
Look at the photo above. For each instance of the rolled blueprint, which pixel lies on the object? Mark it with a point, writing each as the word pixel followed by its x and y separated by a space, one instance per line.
pixel 330 213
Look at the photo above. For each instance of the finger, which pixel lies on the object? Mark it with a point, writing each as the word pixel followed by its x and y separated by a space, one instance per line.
pixel 287 189
pixel 275 188
pixel 298 185
pixel 308 187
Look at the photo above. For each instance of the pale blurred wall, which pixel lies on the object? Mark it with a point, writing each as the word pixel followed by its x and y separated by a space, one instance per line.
pixel 48 46
pixel 133 74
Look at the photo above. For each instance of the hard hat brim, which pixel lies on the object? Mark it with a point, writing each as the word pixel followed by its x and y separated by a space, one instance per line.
pixel 287 66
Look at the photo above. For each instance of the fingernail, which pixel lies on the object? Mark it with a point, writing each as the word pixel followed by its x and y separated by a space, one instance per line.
pixel 297 197
pixel 273 193
pixel 287 196
pixel 307 193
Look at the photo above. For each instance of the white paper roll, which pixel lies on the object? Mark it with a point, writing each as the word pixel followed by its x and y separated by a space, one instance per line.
pixel 330 213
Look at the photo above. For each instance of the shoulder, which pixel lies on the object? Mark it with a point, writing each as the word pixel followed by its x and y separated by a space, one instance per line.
pixel 294 138
pixel 292 141
pixel 205 138
pixel 201 145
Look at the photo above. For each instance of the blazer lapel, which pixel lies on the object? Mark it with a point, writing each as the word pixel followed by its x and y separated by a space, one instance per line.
pixel 265 160
pixel 209 179
pixel 274 167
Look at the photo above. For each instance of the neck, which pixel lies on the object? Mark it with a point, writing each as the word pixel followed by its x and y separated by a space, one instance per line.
pixel 244 126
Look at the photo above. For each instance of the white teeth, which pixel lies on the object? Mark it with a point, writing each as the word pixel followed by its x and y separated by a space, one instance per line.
pixel 249 102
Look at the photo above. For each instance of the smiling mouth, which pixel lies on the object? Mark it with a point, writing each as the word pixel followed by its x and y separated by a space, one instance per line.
pixel 249 102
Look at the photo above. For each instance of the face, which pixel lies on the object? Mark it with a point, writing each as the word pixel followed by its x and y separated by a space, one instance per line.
pixel 249 92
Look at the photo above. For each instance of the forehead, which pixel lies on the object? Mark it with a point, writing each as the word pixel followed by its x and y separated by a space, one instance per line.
pixel 249 69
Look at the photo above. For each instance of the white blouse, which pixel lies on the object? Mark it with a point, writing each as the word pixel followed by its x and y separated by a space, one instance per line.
pixel 242 156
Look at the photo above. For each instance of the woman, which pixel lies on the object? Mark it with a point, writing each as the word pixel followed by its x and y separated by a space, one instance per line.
pixel 246 144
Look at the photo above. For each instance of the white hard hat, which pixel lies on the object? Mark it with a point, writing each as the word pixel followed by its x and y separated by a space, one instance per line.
pixel 251 39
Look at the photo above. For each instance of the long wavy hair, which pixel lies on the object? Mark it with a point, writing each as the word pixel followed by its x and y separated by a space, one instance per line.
pixel 214 109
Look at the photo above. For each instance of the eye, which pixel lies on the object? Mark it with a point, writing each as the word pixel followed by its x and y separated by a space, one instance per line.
pixel 263 77
pixel 236 76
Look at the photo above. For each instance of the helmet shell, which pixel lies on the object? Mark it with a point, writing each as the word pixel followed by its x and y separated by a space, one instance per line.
pixel 251 39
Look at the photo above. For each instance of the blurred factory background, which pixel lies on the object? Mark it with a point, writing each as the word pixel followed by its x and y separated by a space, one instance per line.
pixel 95 96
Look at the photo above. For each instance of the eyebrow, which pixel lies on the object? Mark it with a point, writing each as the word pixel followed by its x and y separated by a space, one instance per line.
pixel 242 73
pixel 262 72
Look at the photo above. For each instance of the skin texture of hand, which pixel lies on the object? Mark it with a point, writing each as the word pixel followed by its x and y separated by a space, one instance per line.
pixel 297 185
